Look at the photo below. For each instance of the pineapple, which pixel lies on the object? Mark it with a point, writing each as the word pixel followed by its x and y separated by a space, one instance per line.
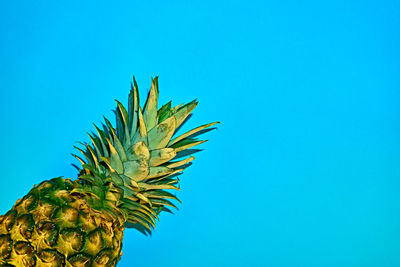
pixel 123 182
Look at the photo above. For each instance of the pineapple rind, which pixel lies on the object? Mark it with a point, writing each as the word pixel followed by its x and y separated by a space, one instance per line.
pixel 67 232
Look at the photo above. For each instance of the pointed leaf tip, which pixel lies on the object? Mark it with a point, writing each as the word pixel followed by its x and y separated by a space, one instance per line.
pixel 191 132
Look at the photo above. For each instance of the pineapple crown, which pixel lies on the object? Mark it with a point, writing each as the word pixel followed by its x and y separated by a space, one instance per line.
pixel 134 165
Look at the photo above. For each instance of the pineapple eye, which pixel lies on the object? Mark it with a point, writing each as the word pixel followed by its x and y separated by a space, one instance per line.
pixel 44 187
pixel 48 232
pixel 25 224
pixel 52 256
pixel 30 202
pixel 73 237
pixel 8 220
pixel 70 215
pixel 25 253
pixel 65 196
pixel 103 257
pixel 80 259
pixel 23 248
pixel 5 246
pixel 95 240
pixel 44 211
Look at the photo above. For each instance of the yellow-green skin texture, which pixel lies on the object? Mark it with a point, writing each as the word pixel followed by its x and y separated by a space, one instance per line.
pixel 51 226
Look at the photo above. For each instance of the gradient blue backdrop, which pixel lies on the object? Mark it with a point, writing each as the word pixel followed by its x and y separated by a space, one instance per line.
pixel 304 169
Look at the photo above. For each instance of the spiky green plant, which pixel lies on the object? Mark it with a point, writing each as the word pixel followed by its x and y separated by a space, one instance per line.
pixel 124 181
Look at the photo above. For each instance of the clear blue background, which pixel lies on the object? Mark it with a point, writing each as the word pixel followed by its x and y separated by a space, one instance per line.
pixel 304 169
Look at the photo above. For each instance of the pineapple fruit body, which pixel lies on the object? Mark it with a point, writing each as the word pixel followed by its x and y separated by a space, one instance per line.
pixel 124 180
pixel 53 226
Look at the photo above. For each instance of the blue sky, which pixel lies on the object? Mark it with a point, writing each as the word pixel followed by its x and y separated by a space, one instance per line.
pixel 304 169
